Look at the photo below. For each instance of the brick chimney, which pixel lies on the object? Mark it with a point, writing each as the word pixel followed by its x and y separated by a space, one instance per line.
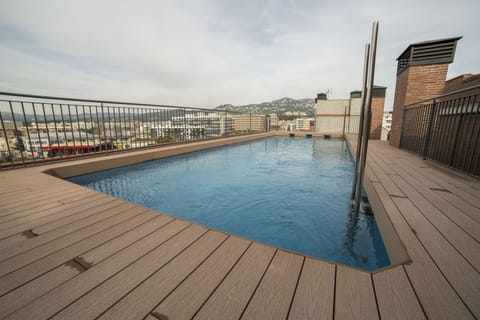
pixel 421 74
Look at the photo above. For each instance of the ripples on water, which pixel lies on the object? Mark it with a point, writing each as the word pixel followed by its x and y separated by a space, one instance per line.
pixel 288 192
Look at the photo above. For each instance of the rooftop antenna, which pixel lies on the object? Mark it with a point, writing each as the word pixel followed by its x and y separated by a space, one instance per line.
pixel 328 92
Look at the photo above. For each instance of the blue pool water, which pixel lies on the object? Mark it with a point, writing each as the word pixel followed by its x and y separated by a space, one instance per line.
pixel 292 193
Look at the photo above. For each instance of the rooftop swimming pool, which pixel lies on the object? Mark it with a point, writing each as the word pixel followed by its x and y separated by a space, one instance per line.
pixel 291 193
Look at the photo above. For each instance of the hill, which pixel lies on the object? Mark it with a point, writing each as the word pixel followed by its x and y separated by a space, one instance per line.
pixel 284 107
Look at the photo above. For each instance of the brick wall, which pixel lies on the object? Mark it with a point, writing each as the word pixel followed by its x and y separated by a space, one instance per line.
pixel 414 84
pixel 462 81
pixel 377 118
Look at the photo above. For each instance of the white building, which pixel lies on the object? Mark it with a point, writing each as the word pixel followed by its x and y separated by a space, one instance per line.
pixel 304 124
pixel 386 124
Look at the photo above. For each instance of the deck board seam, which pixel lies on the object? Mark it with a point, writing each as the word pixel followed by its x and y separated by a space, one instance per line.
pixel 258 284
pixel 415 291
pixel 219 283
pixel 334 291
pixel 375 296
pixel 296 287
pixel 190 273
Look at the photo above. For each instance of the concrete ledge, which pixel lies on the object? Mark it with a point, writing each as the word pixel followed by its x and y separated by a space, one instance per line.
pixel 113 160
pixel 304 133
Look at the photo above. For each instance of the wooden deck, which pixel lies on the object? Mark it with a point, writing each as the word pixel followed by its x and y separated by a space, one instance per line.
pixel 67 252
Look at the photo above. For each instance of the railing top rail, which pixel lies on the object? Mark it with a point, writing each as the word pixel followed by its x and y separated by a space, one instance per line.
pixel 444 95
pixel 16 94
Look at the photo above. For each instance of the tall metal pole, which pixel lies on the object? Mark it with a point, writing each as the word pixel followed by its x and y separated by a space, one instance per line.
pixel 360 126
pixel 368 115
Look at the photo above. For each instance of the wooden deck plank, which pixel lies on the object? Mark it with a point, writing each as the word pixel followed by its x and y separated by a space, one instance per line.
pixel 395 297
pixel 274 294
pixel 157 272
pixel 39 210
pixel 93 208
pixel 436 296
pixel 11 220
pixel 467 208
pixel 19 205
pixel 389 186
pixel 231 297
pixel 149 277
pixel 461 185
pixel 107 211
pixel 435 178
pixel 170 243
pixel 354 295
pixel 54 215
pixel 111 247
pixel 143 299
pixel 29 195
pixel 460 198
pixel 315 292
pixel 461 274
pixel 187 299
pixel 43 196
pixel 18 298
pixel 39 267
pixel 463 242
pixel 25 258
pixel 464 221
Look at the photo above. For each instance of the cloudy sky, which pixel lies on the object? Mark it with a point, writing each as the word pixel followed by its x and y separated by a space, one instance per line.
pixel 206 53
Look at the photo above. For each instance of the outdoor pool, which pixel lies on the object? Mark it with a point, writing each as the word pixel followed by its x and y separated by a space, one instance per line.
pixel 291 193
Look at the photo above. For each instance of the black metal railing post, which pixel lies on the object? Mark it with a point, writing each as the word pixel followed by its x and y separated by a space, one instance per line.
pixel 429 130
pixel 457 131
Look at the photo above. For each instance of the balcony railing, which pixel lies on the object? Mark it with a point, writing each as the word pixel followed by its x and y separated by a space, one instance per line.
pixel 446 129
pixel 35 129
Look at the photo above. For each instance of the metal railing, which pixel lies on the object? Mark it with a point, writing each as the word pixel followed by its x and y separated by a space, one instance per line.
pixel 446 129
pixel 36 129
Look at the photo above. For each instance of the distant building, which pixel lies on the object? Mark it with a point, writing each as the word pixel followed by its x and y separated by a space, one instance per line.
pixel 9 128
pixel 343 115
pixel 253 122
pixel 213 123
pixel 304 124
pixel 386 125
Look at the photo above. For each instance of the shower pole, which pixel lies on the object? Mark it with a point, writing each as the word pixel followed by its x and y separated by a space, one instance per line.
pixel 360 125
pixel 367 116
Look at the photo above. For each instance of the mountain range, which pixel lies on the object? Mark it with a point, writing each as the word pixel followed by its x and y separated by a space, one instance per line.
pixel 283 107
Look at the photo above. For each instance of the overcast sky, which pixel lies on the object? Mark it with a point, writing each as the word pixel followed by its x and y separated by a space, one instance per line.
pixel 207 53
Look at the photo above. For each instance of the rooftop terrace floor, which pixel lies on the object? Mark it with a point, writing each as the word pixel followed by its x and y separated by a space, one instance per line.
pixel 68 252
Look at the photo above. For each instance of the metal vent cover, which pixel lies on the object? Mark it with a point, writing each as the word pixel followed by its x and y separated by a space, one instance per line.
pixel 428 52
